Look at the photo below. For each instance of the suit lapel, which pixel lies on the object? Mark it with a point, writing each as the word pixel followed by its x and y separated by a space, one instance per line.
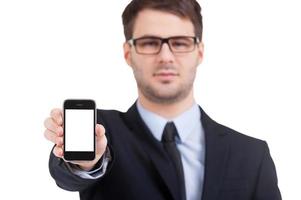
pixel 216 154
pixel 154 150
pixel 216 157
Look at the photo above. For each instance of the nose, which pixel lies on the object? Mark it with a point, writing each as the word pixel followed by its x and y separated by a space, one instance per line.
pixel 165 55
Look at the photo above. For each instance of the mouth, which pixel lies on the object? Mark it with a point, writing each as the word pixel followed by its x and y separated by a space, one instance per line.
pixel 165 75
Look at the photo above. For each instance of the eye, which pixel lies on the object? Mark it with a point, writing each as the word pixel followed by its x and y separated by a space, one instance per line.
pixel 148 43
pixel 180 44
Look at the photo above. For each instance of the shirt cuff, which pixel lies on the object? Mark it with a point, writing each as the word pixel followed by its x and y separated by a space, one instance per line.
pixel 96 172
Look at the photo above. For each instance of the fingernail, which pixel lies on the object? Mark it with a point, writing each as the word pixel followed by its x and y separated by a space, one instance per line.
pixel 98 126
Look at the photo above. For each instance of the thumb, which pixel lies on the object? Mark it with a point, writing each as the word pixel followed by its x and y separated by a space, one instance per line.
pixel 100 130
pixel 101 140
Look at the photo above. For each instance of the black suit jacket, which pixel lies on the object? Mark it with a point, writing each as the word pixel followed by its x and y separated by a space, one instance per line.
pixel 237 167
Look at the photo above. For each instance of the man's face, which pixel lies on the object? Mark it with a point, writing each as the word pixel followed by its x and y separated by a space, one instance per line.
pixel 165 77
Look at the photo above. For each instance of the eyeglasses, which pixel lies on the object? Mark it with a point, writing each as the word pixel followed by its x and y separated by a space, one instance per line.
pixel 152 45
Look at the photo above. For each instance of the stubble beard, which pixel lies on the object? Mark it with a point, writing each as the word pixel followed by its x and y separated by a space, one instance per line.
pixel 170 97
pixel 165 94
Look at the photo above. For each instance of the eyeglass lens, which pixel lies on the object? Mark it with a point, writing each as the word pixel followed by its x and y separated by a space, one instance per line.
pixel 153 45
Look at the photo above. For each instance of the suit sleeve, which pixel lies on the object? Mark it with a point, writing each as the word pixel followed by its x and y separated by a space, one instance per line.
pixel 68 180
pixel 267 183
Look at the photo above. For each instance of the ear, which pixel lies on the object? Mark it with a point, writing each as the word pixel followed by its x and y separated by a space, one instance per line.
pixel 200 52
pixel 127 53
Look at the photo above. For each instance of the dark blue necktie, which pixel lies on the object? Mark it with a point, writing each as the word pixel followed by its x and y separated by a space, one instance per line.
pixel 168 140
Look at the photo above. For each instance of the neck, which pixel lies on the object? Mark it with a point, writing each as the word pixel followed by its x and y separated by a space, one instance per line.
pixel 167 111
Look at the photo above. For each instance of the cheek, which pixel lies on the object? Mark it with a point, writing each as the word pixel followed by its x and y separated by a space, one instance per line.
pixel 142 68
pixel 144 65
pixel 188 65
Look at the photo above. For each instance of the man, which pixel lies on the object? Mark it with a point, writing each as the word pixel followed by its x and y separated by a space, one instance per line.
pixel 165 146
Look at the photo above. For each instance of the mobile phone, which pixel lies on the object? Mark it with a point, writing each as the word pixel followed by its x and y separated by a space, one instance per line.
pixel 79 129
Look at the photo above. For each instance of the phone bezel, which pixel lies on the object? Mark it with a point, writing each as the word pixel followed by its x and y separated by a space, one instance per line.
pixel 79 104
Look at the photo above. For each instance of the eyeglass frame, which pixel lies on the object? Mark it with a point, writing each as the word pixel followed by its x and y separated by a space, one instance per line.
pixel 132 42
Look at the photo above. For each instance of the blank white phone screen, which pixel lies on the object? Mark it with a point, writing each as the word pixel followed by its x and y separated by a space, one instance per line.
pixel 79 130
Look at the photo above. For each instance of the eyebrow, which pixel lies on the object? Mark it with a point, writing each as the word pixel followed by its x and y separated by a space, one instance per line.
pixel 156 36
pixel 148 35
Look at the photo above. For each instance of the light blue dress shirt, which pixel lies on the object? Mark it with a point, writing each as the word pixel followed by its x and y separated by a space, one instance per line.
pixel 191 144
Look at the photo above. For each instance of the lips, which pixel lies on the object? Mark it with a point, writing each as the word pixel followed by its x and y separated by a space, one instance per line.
pixel 165 76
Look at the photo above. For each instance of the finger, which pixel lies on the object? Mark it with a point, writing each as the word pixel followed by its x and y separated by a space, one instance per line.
pixel 59 141
pixel 57 115
pixel 58 151
pixel 51 125
pixel 100 130
pixel 51 136
pixel 101 144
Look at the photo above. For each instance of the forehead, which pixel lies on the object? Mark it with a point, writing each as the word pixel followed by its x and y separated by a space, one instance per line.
pixel 162 24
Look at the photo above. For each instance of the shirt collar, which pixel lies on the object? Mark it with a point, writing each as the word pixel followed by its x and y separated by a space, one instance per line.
pixel 185 122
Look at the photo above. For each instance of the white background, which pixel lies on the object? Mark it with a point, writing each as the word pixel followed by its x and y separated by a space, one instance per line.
pixel 57 49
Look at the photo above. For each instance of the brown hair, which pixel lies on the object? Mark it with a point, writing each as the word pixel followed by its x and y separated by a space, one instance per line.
pixel 189 9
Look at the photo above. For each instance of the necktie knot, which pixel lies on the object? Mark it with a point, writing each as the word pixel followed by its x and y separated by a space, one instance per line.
pixel 169 133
